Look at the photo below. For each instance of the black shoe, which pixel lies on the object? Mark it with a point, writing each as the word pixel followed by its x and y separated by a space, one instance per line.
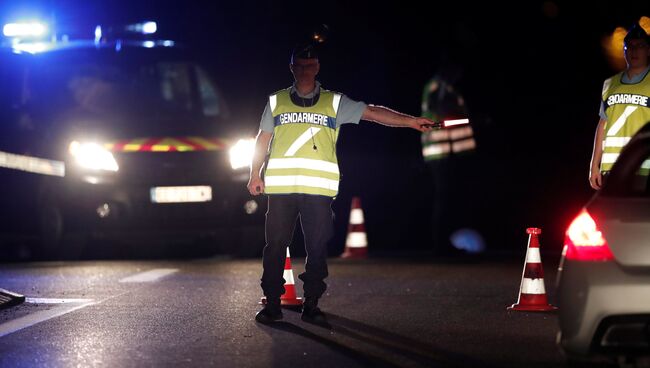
pixel 270 313
pixel 311 313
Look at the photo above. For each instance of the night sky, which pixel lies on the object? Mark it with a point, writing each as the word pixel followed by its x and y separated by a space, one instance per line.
pixel 532 75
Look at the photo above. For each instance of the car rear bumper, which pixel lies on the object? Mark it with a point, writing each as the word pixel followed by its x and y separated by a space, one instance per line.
pixel 604 309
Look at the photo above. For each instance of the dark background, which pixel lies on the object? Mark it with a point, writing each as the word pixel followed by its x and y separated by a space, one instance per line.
pixel 532 75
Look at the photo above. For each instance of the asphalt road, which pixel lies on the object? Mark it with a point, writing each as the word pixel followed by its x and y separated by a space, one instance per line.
pixel 383 312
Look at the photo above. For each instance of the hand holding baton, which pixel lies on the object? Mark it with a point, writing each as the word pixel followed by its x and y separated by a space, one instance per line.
pixel 446 123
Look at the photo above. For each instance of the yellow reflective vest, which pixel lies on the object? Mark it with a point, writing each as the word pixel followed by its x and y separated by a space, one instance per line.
pixel 303 150
pixel 627 107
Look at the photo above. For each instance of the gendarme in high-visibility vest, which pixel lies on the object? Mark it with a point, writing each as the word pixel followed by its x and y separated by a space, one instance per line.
pixel 303 150
pixel 627 107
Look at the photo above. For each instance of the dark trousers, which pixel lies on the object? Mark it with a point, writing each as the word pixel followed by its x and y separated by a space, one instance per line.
pixel 453 190
pixel 316 219
pixel 441 219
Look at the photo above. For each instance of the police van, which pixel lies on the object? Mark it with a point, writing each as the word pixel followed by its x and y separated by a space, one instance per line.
pixel 118 136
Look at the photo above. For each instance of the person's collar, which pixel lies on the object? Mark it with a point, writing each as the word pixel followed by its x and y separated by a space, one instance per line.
pixel 308 95
pixel 636 75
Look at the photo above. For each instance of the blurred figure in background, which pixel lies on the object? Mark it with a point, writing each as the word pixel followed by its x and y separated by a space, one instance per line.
pixel 447 156
pixel 625 106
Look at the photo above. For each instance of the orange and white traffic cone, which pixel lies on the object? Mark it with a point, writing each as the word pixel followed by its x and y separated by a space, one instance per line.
pixel 289 297
pixel 356 242
pixel 532 293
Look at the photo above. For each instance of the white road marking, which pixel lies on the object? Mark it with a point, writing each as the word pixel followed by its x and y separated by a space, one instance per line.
pixel 56 300
pixel 70 305
pixel 150 276
pixel 66 306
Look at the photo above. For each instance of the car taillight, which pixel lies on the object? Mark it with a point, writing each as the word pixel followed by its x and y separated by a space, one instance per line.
pixel 583 240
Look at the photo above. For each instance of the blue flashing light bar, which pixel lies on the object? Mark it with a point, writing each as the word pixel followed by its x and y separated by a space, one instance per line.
pixel 31 29
pixel 149 27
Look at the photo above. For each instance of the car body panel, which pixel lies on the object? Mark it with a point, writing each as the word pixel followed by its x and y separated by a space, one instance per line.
pixel 593 292
pixel 604 305
pixel 626 225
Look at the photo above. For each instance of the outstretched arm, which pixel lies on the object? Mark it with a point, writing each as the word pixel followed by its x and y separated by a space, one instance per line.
pixel 386 116
pixel 595 178
pixel 255 182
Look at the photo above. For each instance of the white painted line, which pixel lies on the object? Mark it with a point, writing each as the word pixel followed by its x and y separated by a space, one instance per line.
pixel 70 305
pixel 56 300
pixel 150 276
pixel 67 306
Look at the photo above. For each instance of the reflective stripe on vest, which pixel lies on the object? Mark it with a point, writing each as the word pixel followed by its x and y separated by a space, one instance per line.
pixel 463 145
pixel 303 149
pixel 616 141
pixel 438 144
pixel 610 158
pixel 432 151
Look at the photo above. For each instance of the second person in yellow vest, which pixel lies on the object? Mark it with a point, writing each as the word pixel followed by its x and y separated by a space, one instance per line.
pixel 625 107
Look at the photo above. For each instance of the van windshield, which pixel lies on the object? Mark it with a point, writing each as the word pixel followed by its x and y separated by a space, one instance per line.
pixel 122 85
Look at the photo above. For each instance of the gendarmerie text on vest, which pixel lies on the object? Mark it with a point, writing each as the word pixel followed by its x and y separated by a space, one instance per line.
pixel 627 98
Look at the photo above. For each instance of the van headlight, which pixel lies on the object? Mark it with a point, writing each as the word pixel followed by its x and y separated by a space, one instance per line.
pixel 92 156
pixel 241 154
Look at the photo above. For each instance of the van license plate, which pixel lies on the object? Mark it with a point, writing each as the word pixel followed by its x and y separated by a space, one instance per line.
pixel 199 193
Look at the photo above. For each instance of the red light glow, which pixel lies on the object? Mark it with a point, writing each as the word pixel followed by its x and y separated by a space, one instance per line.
pixel 584 241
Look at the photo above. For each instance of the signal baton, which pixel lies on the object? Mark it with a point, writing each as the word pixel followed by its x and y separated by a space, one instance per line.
pixel 446 123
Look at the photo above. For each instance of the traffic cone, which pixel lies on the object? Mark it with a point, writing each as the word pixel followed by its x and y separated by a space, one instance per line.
pixel 356 243
pixel 532 293
pixel 289 297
